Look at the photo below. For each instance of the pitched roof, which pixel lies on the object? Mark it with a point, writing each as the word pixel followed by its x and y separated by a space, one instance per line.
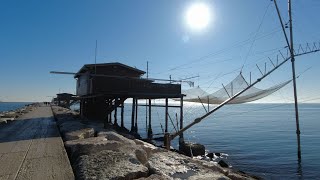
pixel 88 66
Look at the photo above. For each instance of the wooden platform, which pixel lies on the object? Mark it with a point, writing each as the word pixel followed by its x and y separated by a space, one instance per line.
pixel 31 148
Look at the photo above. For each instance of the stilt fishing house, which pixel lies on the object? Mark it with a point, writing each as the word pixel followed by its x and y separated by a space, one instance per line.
pixel 103 88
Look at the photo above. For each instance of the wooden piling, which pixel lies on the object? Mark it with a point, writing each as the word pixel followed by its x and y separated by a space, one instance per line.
pixel 122 115
pixel 132 114
pixel 150 128
pixel 166 117
pixel 115 112
pixel 181 117
pixel 136 118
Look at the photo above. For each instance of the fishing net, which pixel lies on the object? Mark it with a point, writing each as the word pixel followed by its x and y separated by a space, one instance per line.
pixel 238 84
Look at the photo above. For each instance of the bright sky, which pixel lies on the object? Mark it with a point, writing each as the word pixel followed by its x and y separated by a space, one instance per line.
pixel 41 36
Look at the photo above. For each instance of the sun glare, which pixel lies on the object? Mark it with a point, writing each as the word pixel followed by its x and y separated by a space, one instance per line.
pixel 198 16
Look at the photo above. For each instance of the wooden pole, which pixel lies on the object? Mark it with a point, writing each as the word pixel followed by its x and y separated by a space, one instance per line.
pixel 115 112
pixel 150 128
pixel 81 106
pixel 294 81
pixel 181 118
pixel 132 114
pixel 136 119
pixel 122 117
pixel 166 117
pixel 146 115
pixel 110 104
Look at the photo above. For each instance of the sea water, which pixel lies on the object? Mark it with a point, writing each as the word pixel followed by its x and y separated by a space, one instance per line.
pixel 259 139
pixel 8 106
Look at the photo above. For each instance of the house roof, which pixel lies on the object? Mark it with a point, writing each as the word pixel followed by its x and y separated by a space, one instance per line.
pixel 65 94
pixel 86 67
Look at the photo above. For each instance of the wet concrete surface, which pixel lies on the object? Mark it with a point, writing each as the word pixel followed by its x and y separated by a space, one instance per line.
pixel 31 148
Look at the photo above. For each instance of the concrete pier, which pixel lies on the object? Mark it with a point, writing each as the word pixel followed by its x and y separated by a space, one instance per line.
pixel 31 148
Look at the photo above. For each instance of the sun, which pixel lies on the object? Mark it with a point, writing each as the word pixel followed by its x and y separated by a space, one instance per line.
pixel 198 16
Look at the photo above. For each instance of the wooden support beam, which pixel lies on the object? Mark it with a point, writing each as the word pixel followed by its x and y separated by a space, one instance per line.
pixel 149 127
pixel 132 114
pixel 166 117
pixel 136 119
pixel 109 113
pixel 181 118
pixel 122 115
pixel 158 105
pixel 115 112
pixel 146 115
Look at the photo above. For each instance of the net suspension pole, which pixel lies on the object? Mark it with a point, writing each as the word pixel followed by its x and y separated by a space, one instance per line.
pixel 292 57
pixel 294 80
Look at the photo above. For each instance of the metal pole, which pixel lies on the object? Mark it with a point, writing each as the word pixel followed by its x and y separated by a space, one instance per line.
pixel 294 80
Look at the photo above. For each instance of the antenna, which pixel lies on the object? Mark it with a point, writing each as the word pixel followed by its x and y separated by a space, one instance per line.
pixel 95 58
pixel 147 69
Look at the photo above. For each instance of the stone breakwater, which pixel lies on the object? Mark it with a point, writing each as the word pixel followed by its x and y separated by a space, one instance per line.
pixel 99 153
pixel 8 116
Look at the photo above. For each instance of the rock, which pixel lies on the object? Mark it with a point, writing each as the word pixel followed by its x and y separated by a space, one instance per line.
pixel 109 165
pixel 116 137
pixel 155 177
pixel 73 130
pixel 176 166
pixel 141 156
pixel 79 134
pixel 210 155
pixel 116 142
pixel 10 115
pixel 128 145
pixel 76 148
pixel 210 165
pixel 223 164
pixel 167 164
pixel 149 148
pixel 192 149
pixel 3 121
pixel 7 120
pixel 210 176
pixel 217 154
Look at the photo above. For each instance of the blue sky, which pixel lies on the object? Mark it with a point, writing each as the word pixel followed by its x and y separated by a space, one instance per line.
pixel 40 36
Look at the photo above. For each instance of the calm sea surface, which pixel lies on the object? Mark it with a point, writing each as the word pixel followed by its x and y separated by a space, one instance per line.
pixel 259 138
pixel 7 106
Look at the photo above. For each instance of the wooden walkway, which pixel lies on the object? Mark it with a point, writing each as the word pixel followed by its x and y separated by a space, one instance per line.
pixel 31 148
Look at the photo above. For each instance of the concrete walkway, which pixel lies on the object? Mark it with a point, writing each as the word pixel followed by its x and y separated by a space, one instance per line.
pixel 31 148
